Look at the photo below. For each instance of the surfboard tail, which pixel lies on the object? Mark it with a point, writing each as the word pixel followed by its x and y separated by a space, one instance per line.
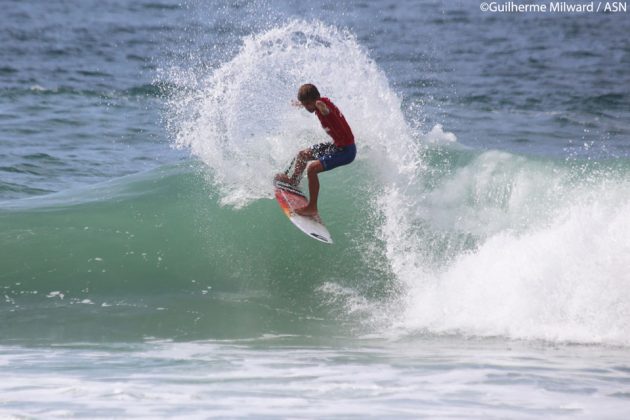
pixel 290 198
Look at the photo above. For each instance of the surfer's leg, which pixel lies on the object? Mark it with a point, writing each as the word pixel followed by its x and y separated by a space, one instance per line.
pixel 300 164
pixel 313 189
pixel 301 160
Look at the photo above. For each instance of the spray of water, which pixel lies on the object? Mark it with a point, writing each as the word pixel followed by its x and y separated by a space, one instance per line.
pixel 239 120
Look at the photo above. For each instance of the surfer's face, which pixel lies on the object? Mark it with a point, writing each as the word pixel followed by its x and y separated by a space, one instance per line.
pixel 309 106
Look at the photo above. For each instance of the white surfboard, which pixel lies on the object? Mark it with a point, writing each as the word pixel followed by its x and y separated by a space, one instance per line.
pixel 291 198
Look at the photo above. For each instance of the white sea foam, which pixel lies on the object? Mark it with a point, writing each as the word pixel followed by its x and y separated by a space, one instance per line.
pixel 437 379
pixel 538 253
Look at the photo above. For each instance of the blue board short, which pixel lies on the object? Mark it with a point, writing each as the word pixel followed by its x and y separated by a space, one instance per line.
pixel 332 156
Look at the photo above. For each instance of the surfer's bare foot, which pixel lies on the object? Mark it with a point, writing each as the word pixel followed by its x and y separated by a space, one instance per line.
pixel 285 178
pixel 306 211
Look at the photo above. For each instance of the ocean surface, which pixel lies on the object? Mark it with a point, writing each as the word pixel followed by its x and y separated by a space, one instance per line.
pixel 482 237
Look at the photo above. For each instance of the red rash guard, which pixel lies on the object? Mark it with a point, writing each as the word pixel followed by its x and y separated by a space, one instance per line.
pixel 335 124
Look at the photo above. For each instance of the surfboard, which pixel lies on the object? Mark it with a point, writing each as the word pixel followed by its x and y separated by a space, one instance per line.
pixel 290 198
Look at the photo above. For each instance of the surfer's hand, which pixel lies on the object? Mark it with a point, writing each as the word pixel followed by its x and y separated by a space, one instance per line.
pixel 322 107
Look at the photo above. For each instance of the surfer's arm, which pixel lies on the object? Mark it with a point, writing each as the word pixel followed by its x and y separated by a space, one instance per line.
pixel 322 107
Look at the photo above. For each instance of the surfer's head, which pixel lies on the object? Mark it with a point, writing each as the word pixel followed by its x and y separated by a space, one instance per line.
pixel 308 95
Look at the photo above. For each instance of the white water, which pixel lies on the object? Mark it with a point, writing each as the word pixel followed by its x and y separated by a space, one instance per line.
pixel 272 377
pixel 548 255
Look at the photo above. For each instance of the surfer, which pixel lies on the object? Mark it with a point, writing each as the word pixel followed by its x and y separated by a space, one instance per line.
pixel 324 156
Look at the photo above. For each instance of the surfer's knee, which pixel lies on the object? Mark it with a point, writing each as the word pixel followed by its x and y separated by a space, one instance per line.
pixel 314 168
pixel 304 155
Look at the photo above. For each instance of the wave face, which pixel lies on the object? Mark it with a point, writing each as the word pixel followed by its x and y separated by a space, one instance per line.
pixel 159 251
pixel 430 237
